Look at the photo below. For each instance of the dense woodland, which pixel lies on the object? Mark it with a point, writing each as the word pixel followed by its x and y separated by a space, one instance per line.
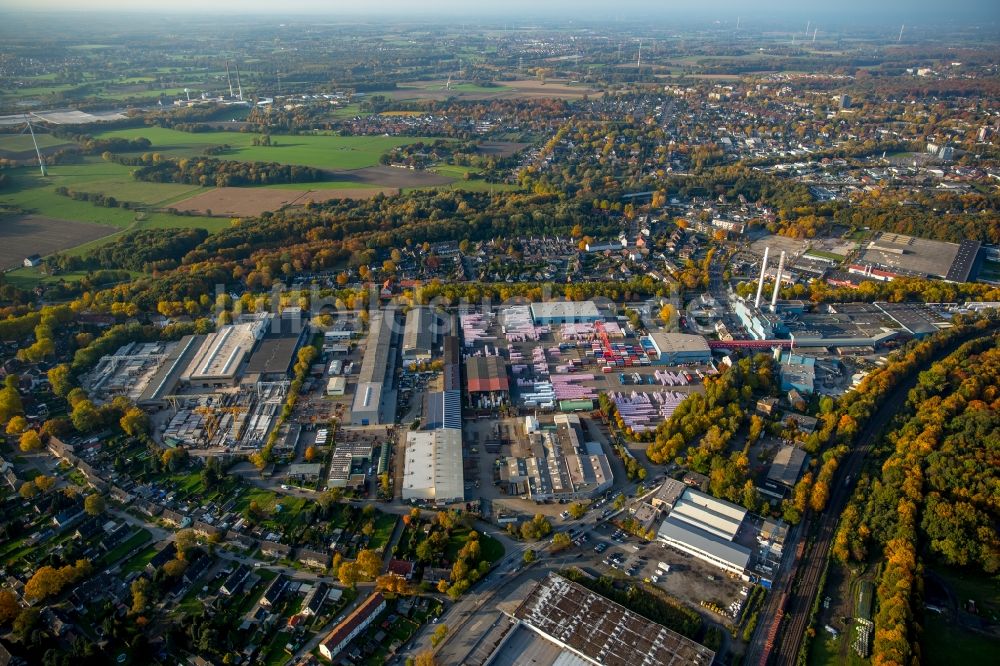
pixel 933 500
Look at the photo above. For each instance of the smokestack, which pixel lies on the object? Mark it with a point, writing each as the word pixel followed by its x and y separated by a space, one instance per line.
pixel 239 84
pixel 760 282
pixel 230 80
pixel 777 282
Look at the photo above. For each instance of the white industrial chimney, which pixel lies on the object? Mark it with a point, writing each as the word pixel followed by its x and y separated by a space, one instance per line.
pixel 760 282
pixel 777 282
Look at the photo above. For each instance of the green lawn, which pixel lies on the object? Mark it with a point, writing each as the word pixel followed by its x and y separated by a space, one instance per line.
pixel 321 151
pixel 492 549
pixel 139 562
pixel 133 542
pixel 384 525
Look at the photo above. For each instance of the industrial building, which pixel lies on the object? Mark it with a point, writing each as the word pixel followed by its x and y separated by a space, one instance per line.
pixel 564 312
pixel 562 623
pixel 785 470
pixel 707 528
pixel 905 255
pixel 442 409
pixel 336 386
pixel 680 348
pixel 371 406
pixel 348 457
pixel 420 334
pixel 275 355
pixel 555 462
pixel 220 358
pixel 797 372
pixel 433 466
pixel 145 373
pixel 486 374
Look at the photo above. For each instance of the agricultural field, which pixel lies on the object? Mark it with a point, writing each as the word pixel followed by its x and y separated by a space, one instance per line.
pixel 242 201
pixel 322 151
pixel 23 235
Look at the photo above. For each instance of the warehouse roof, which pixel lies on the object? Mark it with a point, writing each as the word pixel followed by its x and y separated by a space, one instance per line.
pixel 579 310
pixel 787 464
pixel 486 373
pixel 679 343
pixel 433 465
pixel 601 630
pixel 273 356
pixel 674 530
pixel 708 513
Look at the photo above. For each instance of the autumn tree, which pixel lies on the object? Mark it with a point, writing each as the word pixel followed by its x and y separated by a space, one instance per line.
pixel 9 606
pixel 17 425
pixel 94 504
pixel 45 483
pixel 348 574
pixel 134 422
pixel 369 563
pixel 30 441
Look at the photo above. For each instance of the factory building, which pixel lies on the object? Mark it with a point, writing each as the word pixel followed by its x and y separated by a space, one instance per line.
pixel 164 382
pixel 680 348
pixel 371 404
pixel 275 355
pixel 555 462
pixel 433 466
pixel 797 372
pixel 221 356
pixel 564 312
pixel 419 335
pixel 563 623
pixel 487 380
pixel 707 528
pixel 442 409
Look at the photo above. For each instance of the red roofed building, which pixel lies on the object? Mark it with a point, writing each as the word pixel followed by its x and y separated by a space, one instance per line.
pixel 486 374
pixel 351 626
pixel 401 568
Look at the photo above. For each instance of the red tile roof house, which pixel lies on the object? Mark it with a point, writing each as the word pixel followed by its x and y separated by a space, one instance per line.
pixel 351 626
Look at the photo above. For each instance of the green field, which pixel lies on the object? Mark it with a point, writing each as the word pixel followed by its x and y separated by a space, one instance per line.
pixel 21 143
pixel 321 151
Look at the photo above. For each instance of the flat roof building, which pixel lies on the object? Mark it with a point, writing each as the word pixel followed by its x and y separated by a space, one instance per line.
pixel 370 406
pixel 564 312
pixel 220 357
pixel 706 528
pixel 433 466
pixel 680 348
pixel 419 334
pixel 787 466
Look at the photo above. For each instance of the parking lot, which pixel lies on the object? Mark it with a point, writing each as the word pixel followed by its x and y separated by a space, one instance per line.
pixel 689 580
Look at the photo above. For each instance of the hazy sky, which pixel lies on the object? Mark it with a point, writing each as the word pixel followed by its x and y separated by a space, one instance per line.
pixel 845 9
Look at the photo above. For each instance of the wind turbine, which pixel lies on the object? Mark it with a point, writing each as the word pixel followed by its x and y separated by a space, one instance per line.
pixel 900 38
pixel 41 164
